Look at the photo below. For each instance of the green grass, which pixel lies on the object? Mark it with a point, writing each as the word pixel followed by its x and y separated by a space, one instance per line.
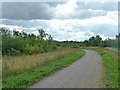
pixel 110 68
pixel 0 83
pixel 32 76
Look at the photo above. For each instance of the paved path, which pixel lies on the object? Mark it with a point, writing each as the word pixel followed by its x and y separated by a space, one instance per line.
pixel 84 73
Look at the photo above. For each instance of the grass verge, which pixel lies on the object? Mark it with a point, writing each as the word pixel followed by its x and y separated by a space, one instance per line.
pixel 31 76
pixel 13 65
pixel 110 67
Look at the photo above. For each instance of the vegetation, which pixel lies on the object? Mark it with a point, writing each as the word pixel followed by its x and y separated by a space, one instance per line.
pixel 94 41
pixel 23 43
pixel 39 56
pixel 110 66
pixel 17 43
pixel 58 60
pixel 11 67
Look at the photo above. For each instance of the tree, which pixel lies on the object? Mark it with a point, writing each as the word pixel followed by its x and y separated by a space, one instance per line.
pixel 24 34
pixel 42 34
pixel 15 33
pixel 86 43
pixel 97 40
pixel 50 38
pixel 5 32
pixel 117 36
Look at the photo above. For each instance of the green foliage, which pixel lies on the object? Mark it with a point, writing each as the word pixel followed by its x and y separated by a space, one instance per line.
pixel 23 43
pixel 42 34
pixel 97 41
pixel 33 50
pixel 12 51
pixel 11 45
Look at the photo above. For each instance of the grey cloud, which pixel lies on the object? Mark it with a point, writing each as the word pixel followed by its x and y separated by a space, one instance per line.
pixel 83 14
pixel 106 6
pixel 25 10
pixel 25 23
pixel 38 10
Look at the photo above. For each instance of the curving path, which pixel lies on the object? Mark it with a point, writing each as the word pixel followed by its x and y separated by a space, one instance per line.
pixel 84 73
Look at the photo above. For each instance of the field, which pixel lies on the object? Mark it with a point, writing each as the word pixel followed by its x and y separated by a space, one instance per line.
pixel 23 71
pixel 14 65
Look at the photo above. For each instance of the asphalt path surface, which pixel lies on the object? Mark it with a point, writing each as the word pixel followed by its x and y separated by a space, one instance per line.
pixel 84 73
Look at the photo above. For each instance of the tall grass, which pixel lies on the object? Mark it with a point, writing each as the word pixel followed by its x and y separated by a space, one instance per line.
pixel 15 65
pixel 53 61
pixel 110 58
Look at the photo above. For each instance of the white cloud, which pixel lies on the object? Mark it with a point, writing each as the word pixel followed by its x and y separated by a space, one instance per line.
pixel 12 27
pixel 65 10
pixel 70 29
pixel 47 11
pixel 35 32
pixel 67 21
pixel 104 37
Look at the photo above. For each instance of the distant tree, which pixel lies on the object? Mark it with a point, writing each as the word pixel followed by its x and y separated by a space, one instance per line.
pixel 16 33
pixel 24 34
pixel 86 43
pixel 92 38
pixel 98 39
pixel 42 34
pixel 50 38
pixel 95 41
pixel 118 36
pixel 5 32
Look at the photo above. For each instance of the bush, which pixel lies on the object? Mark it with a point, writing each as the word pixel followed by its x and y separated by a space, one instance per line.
pixel 33 49
pixel 12 51
pixel 12 45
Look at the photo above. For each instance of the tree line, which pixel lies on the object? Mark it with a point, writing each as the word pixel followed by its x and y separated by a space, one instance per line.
pixel 18 43
pixel 14 43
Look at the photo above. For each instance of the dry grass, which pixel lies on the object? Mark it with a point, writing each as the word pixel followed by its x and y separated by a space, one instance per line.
pixel 19 63
pixel 112 51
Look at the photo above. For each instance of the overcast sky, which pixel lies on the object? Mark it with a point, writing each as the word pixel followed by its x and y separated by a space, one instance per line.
pixel 64 20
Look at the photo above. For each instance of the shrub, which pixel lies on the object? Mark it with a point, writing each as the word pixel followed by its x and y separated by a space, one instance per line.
pixel 12 51
pixel 33 49
pixel 12 45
